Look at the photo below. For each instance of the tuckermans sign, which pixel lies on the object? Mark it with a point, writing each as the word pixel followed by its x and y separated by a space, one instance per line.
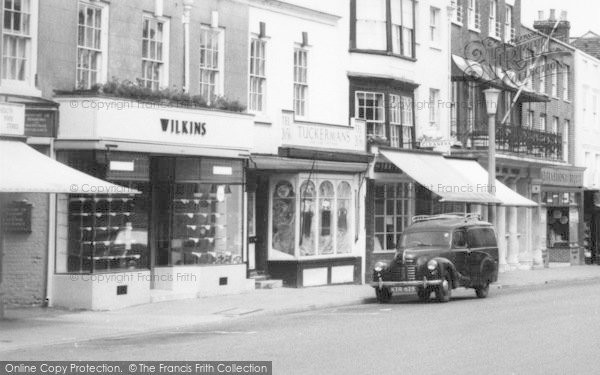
pixel 183 127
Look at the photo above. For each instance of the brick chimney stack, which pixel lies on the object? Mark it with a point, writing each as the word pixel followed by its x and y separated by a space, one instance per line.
pixel 562 30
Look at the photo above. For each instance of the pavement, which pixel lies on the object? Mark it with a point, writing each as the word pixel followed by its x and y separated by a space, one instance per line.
pixel 26 328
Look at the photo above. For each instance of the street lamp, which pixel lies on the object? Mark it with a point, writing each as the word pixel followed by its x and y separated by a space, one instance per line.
pixel 491 105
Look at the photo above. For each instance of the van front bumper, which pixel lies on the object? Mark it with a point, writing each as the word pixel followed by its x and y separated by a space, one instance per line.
pixel 417 283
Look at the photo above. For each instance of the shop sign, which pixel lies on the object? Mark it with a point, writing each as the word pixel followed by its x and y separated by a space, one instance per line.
pixel 40 123
pixel 16 217
pixel 561 177
pixel 182 127
pixel 84 118
pixel 12 119
pixel 348 138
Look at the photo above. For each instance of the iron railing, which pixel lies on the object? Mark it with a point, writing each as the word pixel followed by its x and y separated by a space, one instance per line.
pixel 522 141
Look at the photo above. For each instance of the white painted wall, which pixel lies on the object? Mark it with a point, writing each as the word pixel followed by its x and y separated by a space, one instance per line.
pixel 327 65
pixel 587 125
pixel 431 70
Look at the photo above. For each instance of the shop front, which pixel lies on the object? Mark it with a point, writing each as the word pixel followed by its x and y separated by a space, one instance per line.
pixel 562 216
pixel 182 236
pixel 307 226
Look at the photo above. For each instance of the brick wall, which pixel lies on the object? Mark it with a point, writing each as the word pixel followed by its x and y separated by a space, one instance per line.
pixel 57 51
pixel 25 255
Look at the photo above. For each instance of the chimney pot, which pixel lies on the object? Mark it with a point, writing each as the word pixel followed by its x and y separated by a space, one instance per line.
pixel 563 15
pixel 540 15
pixel 552 14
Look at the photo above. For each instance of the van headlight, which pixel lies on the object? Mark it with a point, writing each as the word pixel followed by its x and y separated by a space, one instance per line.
pixel 432 265
pixel 379 266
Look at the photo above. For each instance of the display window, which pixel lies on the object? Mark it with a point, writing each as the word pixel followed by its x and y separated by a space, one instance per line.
pixel 107 232
pixel 393 210
pixel 311 216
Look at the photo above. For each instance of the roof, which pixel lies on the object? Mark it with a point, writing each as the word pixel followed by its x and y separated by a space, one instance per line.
pixel 445 224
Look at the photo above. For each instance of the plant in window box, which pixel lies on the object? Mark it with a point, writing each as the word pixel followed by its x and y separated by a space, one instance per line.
pixel 377 139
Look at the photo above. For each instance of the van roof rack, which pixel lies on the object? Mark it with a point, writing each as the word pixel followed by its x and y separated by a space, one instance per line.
pixel 447 216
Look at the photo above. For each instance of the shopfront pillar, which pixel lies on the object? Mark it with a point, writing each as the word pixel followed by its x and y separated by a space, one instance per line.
pixel 501 233
pixel 525 238
pixel 513 236
pixel 537 230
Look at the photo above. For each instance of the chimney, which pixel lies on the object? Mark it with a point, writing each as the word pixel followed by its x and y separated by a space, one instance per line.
pixel 546 26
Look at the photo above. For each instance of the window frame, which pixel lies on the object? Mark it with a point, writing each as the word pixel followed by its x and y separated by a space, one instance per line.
pixel 257 76
pixel 163 78
pixel 408 206
pixel 301 84
pixel 389 43
pixel 27 85
pixel 554 80
pixel 474 15
pixel 217 86
pixel 434 25
pixel 565 83
pixel 458 13
pixel 381 122
pixel 102 71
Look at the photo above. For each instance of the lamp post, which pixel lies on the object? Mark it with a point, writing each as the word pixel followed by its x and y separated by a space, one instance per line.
pixel 491 105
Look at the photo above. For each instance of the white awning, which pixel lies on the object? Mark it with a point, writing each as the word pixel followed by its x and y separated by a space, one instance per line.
pixel 25 170
pixel 479 175
pixel 436 174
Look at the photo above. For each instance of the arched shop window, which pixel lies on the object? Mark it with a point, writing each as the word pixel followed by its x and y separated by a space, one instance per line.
pixel 284 217
pixel 307 219
pixel 326 201
pixel 343 236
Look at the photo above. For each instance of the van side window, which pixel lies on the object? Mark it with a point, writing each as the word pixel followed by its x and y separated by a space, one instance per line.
pixel 459 239
pixel 481 237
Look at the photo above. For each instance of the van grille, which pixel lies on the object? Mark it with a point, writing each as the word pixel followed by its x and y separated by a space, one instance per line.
pixel 411 273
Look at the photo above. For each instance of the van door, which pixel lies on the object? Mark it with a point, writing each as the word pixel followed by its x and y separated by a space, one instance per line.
pixel 461 252
pixel 482 244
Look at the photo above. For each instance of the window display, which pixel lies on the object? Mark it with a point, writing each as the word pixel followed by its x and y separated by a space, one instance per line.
pixel 202 217
pixel 108 232
pixel 284 216
pixel 322 208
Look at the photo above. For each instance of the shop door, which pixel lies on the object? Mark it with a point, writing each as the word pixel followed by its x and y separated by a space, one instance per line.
pixel 262 224
pixel 251 230
pixel 160 218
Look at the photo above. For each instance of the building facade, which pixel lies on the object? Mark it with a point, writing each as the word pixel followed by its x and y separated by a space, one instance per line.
pixel 534 126
pixel 306 170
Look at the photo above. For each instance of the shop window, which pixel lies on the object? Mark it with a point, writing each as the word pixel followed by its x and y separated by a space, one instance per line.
pixel 107 232
pixel 344 199
pixel 284 217
pixel 326 203
pixel 558 226
pixel 206 223
pixel 307 218
pixel 392 214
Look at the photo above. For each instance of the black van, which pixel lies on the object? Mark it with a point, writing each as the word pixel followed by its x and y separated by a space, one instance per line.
pixel 437 254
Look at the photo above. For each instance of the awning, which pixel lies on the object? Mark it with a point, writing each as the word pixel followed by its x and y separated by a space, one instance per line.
pixel 25 170
pixel 436 174
pixel 478 175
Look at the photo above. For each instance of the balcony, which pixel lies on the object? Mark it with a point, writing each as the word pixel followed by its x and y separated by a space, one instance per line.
pixel 520 141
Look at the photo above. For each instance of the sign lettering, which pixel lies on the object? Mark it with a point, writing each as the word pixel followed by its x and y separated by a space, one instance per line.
pixel 183 127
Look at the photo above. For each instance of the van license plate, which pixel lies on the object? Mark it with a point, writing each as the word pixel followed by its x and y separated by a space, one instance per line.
pixel 403 289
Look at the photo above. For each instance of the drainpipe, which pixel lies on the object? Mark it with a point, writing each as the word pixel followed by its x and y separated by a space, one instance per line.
pixel 187 7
